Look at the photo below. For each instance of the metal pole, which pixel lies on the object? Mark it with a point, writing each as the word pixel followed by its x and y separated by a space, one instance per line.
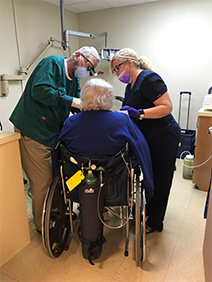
pixel 62 24
pixel 106 40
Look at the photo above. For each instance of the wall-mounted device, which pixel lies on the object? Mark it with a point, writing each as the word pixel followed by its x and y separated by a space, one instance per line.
pixel 66 33
pixel 207 104
pixel 23 71
pixel 5 82
pixel 106 54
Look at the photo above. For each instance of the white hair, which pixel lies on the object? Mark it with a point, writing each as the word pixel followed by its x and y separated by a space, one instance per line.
pixel 88 51
pixel 97 94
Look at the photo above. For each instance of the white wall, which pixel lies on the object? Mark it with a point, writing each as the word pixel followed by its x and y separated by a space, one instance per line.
pixel 37 21
pixel 174 35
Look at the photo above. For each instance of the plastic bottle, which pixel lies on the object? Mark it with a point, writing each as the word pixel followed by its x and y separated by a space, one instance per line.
pixel 188 167
pixel 90 178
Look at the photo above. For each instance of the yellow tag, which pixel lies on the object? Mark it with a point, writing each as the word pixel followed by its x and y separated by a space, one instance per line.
pixel 75 180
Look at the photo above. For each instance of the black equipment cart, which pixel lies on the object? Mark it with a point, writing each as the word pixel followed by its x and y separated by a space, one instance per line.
pixel 187 136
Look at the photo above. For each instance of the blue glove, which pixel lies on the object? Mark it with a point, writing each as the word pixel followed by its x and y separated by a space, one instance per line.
pixel 131 111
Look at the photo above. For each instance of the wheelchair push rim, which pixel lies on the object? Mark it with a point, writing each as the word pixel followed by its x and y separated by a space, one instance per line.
pixel 55 221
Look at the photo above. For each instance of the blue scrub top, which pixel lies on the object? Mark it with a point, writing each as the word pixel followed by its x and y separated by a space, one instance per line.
pixel 148 87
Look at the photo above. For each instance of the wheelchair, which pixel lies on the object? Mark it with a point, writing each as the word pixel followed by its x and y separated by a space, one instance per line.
pixel 93 183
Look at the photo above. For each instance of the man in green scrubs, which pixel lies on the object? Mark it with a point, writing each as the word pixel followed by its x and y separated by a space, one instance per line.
pixel 51 93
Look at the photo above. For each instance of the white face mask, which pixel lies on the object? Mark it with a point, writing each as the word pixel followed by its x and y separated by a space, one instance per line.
pixel 81 72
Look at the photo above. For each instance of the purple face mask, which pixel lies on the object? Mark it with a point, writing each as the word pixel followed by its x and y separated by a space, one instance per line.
pixel 125 77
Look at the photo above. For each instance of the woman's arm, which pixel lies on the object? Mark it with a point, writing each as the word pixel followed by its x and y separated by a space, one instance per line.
pixel 163 107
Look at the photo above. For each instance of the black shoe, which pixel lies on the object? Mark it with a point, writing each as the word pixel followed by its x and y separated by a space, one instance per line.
pixel 25 181
pixel 38 231
pixel 74 215
pixel 150 230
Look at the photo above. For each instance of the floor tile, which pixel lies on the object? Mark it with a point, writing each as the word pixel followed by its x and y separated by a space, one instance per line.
pixel 174 255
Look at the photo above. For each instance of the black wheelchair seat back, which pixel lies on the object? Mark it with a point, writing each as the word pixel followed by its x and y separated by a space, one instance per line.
pixel 94 182
pixel 114 170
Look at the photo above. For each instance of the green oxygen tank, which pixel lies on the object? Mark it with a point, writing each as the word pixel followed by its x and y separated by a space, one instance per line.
pixel 90 178
pixel 188 167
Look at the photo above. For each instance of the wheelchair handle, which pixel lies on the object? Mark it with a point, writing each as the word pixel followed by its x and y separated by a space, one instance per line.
pixel 119 98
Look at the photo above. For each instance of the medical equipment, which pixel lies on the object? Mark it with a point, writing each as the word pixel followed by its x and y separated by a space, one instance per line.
pixel 207 104
pixel 188 167
pixel 23 71
pixel 106 54
pixel 66 33
pixel 187 137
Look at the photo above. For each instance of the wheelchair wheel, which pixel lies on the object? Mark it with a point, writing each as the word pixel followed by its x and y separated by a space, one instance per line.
pixel 55 221
pixel 137 222
pixel 140 222
pixel 143 225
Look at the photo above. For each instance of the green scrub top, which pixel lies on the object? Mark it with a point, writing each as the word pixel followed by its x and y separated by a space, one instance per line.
pixel 46 101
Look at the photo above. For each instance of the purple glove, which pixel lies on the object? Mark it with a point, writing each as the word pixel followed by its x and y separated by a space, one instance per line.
pixel 131 111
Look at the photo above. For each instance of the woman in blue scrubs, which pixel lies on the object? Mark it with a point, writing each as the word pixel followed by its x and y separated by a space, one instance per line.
pixel 149 105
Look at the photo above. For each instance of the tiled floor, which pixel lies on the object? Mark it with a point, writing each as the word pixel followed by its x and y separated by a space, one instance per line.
pixel 174 255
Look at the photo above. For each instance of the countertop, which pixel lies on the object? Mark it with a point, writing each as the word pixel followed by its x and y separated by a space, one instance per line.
pixel 205 112
pixel 6 137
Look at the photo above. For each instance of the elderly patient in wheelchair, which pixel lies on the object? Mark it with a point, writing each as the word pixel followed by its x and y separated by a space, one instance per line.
pixel 98 155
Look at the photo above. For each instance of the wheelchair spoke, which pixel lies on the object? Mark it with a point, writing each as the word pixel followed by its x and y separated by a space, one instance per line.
pixel 137 223
pixel 57 222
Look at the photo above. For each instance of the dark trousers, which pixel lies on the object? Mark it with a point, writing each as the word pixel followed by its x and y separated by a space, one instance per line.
pixel 163 162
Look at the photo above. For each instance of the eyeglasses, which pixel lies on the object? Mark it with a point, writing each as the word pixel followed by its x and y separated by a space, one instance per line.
pixel 117 68
pixel 91 68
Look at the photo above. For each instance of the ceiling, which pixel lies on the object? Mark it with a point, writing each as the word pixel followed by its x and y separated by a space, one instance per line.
pixel 80 6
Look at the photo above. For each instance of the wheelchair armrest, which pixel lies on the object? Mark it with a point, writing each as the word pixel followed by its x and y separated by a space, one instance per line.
pixel 119 98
